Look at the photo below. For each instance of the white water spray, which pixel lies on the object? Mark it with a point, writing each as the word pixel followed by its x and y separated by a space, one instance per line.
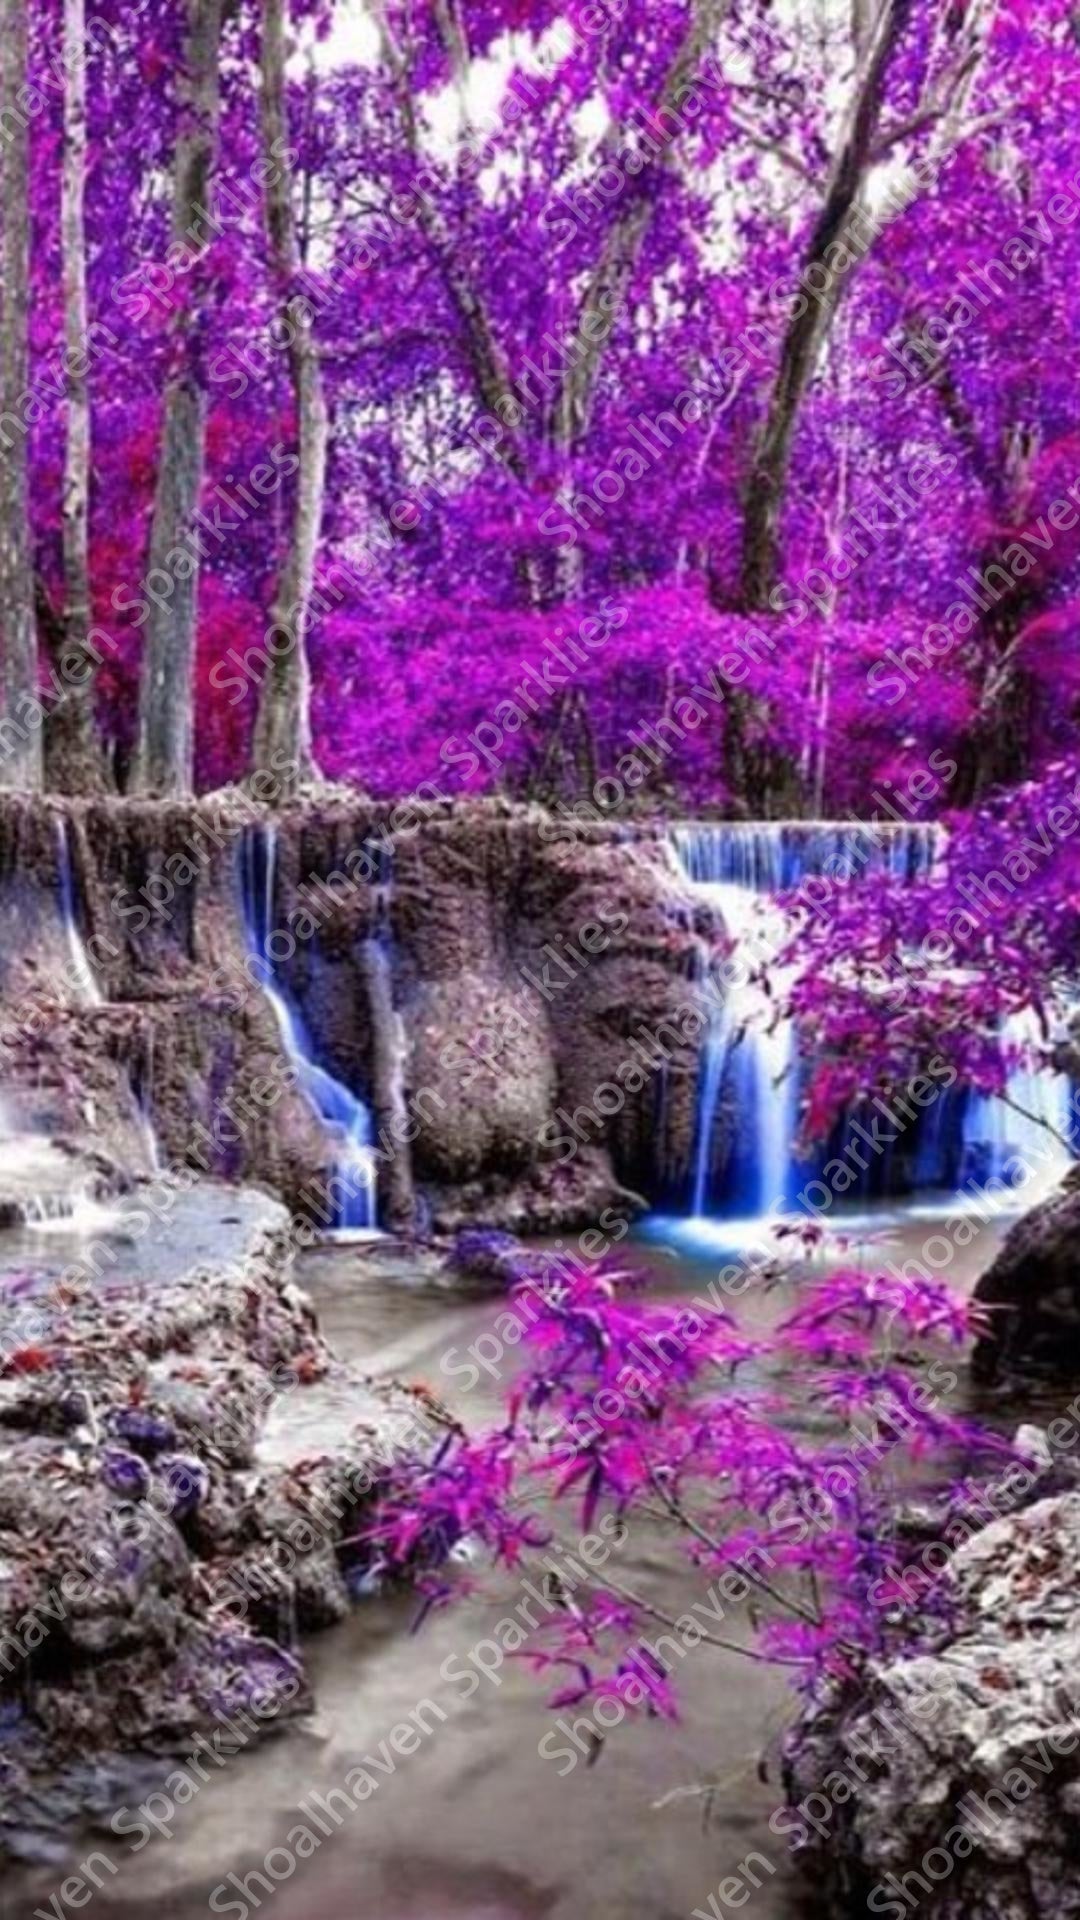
pixel 346 1117
pixel 82 973
pixel 745 1167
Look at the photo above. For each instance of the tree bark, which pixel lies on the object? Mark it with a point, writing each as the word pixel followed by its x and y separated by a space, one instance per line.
pixel 20 731
pixel 163 761
pixel 807 330
pixel 73 757
pixel 613 271
pixel 283 723
pixel 960 38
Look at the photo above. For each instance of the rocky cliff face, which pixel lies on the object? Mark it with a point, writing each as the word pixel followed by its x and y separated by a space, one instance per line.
pixel 551 1018
pixel 539 988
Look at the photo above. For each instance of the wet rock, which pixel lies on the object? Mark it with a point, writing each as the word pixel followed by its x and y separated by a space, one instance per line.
pixel 133 1516
pixel 1030 1293
pixel 484 1073
pixel 488 1257
pixel 530 968
pixel 540 1202
pixel 125 1473
pixel 141 1429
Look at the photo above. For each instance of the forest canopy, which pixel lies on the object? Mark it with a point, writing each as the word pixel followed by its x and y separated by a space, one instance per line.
pixel 667 406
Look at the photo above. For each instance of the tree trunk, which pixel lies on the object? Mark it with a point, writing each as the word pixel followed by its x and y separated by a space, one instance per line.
pixel 835 224
pixel 73 756
pixel 283 724
pixel 163 761
pixel 20 730
pixel 613 271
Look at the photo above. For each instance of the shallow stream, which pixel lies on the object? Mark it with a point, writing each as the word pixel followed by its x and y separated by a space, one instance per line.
pixel 476 1824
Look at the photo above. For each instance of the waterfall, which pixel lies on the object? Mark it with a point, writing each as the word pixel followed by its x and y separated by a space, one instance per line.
pixel 81 970
pixel 744 1161
pixel 1030 1125
pixel 746 1071
pixel 389 1056
pixel 148 1135
pixel 346 1117
pixel 77 1212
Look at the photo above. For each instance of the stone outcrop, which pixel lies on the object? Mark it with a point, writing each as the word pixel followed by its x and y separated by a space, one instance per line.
pixel 130 1013
pixel 950 1782
pixel 546 984
pixel 513 999
pixel 155 1568
pixel 1030 1293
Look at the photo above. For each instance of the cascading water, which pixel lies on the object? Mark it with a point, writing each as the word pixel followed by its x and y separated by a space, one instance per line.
pixel 748 1053
pixel 1031 1126
pixel 744 1161
pixel 145 1118
pixel 81 970
pixel 354 1185
pixel 78 1213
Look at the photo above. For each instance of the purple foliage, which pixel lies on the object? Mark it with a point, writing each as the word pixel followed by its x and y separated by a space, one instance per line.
pixel 666 1414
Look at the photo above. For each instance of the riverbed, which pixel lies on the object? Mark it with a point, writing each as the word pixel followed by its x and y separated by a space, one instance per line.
pixel 487 1819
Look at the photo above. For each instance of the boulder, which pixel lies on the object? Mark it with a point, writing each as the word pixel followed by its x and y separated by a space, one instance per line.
pixel 489 1258
pixel 948 1781
pixel 156 1568
pixel 482 1075
pixel 1030 1293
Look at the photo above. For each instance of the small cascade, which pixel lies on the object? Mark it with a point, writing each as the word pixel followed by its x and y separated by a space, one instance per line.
pixel 149 1137
pixel 389 1057
pixel 773 856
pixel 142 1088
pixel 744 1161
pixel 82 973
pixel 49 1209
pixel 346 1117
pixel 745 1120
pixel 1024 1133
pixel 78 1212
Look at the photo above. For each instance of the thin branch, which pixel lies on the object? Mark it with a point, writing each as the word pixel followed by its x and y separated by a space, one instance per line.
pixel 686 1519
pixel 623 243
pixel 777 152
pixel 652 1612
